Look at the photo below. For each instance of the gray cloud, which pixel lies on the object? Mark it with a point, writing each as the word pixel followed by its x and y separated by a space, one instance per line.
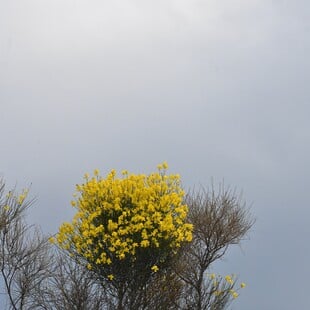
pixel 215 88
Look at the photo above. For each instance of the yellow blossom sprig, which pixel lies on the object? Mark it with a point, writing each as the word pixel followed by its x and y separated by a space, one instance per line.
pixel 14 201
pixel 223 285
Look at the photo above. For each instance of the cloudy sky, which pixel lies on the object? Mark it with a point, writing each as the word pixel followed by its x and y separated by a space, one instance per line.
pixel 218 89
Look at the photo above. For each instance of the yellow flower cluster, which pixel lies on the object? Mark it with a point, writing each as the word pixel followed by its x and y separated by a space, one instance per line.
pixel 118 216
pixel 230 279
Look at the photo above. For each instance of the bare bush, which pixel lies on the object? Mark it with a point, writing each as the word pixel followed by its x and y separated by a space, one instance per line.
pixel 23 251
pixel 69 286
pixel 220 219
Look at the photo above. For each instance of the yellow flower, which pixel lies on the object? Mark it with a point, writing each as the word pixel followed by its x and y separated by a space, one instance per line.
pixel 155 268
pixel 145 243
pixel 234 295
pixel 110 277
pixel 121 256
pixel 96 172
pixel 21 198
pixel 52 240
pixel 160 167
pixel 229 280
pixel 242 285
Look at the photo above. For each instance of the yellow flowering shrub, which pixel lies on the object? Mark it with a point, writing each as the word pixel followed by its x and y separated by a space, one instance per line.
pixel 121 219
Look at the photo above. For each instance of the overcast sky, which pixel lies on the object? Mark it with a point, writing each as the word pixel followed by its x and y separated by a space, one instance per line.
pixel 217 88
